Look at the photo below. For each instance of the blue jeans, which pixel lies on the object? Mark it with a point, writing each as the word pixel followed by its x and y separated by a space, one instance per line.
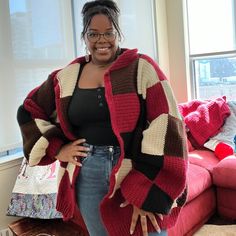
pixel 93 184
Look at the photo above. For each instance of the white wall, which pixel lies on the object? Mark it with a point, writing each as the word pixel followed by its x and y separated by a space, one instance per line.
pixel 172 48
pixel 162 36
pixel 8 173
pixel 177 49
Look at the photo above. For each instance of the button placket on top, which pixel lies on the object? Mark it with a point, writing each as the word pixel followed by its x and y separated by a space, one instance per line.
pixel 99 96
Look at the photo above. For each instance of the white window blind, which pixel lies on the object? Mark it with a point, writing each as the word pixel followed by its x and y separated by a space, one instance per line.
pixel 211 26
pixel 36 38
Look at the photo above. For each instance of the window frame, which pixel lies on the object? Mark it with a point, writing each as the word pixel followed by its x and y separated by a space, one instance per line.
pixel 193 57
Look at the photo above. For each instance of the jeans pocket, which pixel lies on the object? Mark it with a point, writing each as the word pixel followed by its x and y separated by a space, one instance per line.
pixel 83 160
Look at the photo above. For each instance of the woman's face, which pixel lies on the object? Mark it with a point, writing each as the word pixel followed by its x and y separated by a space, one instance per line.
pixel 102 47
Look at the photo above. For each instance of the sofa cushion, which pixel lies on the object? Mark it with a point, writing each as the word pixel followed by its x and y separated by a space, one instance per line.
pixel 199 180
pixel 224 173
pixel 203 158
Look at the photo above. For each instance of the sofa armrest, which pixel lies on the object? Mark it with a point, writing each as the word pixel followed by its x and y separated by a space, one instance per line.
pixel 224 173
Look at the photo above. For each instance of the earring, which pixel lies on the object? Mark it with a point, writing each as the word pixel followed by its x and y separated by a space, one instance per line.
pixel 87 54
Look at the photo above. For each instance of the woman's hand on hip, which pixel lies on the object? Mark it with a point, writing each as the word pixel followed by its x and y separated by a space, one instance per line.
pixel 72 152
pixel 144 216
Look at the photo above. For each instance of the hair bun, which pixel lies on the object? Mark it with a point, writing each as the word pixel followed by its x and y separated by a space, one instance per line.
pixel 105 3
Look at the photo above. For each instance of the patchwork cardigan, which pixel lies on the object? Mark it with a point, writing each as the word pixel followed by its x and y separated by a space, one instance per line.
pixel 151 171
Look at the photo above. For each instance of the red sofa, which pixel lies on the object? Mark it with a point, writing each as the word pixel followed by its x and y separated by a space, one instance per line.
pixel 212 187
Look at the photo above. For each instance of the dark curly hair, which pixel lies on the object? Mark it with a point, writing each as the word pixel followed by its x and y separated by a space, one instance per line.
pixel 105 7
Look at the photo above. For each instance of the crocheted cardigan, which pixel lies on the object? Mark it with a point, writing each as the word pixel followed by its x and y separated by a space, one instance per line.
pixel 151 171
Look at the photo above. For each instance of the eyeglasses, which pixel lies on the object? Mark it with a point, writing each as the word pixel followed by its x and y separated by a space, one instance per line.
pixel 109 36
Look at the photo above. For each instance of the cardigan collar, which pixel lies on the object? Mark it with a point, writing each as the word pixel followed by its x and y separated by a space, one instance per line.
pixel 67 81
pixel 124 58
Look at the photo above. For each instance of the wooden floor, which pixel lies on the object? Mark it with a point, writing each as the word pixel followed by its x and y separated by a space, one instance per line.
pixel 33 227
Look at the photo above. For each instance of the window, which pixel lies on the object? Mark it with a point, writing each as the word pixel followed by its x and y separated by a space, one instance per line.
pixel 37 37
pixel 212 46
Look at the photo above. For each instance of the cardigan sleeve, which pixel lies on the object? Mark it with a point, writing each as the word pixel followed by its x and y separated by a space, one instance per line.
pixel 41 134
pixel 157 181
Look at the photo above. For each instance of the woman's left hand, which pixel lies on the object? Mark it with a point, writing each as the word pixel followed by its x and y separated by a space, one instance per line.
pixel 143 215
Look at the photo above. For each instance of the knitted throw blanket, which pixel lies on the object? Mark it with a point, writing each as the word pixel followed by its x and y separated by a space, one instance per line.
pixel 204 118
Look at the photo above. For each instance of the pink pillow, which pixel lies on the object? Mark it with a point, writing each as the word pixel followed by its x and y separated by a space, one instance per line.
pixel 223 150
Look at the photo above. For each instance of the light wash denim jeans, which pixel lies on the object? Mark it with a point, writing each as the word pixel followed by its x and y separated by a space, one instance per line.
pixel 93 183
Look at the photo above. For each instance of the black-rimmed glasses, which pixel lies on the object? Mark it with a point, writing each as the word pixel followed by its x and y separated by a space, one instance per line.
pixel 109 36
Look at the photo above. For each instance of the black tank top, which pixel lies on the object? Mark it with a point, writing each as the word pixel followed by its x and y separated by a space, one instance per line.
pixel 89 115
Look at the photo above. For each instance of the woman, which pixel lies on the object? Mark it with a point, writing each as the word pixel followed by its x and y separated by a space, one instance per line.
pixel 111 120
